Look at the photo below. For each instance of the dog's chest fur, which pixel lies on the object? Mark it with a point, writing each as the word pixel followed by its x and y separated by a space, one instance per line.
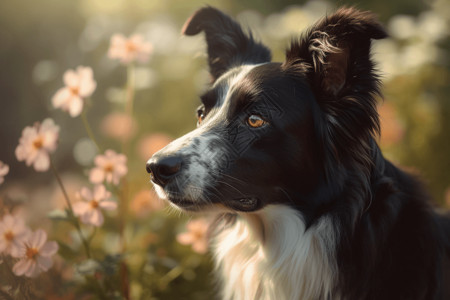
pixel 269 255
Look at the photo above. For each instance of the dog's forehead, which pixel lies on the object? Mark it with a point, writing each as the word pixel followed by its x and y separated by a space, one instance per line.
pixel 243 82
pixel 230 81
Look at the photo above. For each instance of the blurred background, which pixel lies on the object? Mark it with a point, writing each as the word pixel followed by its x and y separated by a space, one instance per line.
pixel 40 40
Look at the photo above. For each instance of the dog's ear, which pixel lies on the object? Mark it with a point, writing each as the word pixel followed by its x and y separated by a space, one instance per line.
pixel 334 55
pixel 228 45
pixel 337 50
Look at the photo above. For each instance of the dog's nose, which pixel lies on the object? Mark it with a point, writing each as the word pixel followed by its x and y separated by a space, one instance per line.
pixel 163 169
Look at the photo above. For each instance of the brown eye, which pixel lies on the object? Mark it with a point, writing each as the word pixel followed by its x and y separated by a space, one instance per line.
pixel 200 116
pixel 255 121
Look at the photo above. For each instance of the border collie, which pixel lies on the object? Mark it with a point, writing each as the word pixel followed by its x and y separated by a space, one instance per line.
pixel 285 157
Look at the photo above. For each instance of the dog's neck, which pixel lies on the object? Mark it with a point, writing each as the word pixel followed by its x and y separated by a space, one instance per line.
pixel 270 255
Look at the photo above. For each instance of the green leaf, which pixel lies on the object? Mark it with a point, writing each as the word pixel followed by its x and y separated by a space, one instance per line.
pixel 59 215
pixel 87 267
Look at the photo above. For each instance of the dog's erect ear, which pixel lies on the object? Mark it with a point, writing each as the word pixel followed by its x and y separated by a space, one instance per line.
pixel 337 49
pixel 228 45
pixel 334 55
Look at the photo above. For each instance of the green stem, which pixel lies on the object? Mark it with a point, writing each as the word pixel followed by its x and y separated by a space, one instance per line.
pixel 123 192
pixel 89 130
pixel 70 210
pixel 171 275
pixel 130 91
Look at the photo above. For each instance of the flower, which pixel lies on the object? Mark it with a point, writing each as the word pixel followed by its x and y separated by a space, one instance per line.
pixel 4 169
pixel 80 84
pixel 119 126
pixel 37 143
pixel 145 202
pixel 35 255
pixel 195 236
pixel 89 210
pixel 12 232
pixel 129 50
pixel 110 167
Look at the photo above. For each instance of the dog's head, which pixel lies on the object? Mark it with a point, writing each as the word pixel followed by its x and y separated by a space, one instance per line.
pixel 275 132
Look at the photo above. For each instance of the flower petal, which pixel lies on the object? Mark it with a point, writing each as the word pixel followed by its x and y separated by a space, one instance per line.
pixel 49 249
pixel 108 205
pixel 17 249
pixel 21 152
pixel 80 208
pixel 101 160
pixel 42 162
pixel 37 239
pixel 100 192
pixel 86 194
pixel 34 270
pixel 87 82
pixel 71 79
pixel 76 106
pixel 21 267
pixel 185 238
pixel 8 221
pixel 97 218
pixel 200 246
pixel 61 97
pixel 87 216
pixel 44 263
pixel 4 169
pixel 97 175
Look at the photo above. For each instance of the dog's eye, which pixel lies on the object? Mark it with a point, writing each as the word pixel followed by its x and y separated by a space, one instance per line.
pixel 255 121
pixel 200 116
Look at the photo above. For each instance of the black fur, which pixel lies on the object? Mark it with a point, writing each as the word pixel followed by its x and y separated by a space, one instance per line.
pixel 319 152
pixel 228 46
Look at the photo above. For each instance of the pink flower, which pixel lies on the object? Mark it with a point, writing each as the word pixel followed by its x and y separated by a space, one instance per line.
pixel 195 236
pixel 89 209
pixel 129 50
pixel 4 170
pixel 35 255
pixel 37 143
pixel 12 232
pixel 110 167
pixel 80 84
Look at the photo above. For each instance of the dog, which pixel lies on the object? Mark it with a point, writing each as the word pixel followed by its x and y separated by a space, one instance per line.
pixel 285 158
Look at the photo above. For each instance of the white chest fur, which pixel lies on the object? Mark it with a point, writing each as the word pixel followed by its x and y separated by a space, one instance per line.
pixel 269 255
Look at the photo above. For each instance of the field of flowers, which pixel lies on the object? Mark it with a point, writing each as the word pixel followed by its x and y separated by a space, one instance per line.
pixel 78 216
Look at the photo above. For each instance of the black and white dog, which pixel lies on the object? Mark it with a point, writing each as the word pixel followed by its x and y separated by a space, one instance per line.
pixel 285 157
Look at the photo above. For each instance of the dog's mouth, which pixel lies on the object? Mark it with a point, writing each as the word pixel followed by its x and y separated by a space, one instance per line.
pixel 182 202
pixel 244 204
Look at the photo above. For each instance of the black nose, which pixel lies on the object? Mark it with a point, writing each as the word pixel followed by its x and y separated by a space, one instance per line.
pixel 163 169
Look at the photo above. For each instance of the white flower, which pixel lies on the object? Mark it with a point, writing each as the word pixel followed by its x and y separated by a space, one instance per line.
pixel 12 232
pixel 110 167
pixel 80 84
pixel 4 170
pixel 35 255
pixel 89 210
pixel 129 50
pixel 37 143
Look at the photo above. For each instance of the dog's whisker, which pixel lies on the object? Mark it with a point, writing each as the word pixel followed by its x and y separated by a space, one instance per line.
pixel 287 195
pixel 231 186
